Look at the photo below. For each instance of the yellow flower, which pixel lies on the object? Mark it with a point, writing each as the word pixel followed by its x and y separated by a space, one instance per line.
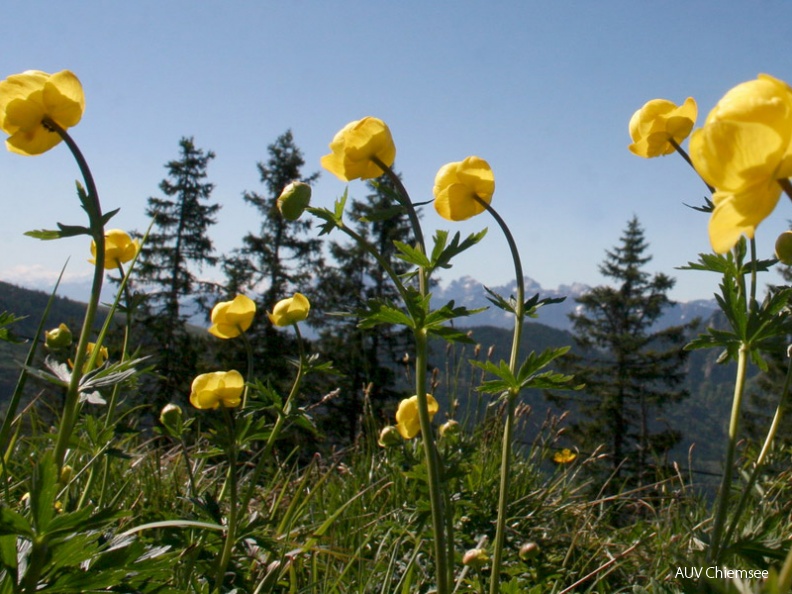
pixel 407 421
pixel 58 338
pixel 290 311
pixel 744 147
pixel 27 100
pixel 565 456
pixel 456 186
pixel 658 122
pixel 119 248
pixel 232 318
pixel 354 146
pixel 210 390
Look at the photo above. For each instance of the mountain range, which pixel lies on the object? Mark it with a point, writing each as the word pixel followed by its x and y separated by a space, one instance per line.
pixel 472 294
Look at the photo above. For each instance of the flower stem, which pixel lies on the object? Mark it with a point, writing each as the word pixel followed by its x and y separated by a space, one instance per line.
pixel 508 428
pixel 233 507
pixel 768 442
pixel 96 224
pixel 443 548
pixel 686 157
pixel 725 488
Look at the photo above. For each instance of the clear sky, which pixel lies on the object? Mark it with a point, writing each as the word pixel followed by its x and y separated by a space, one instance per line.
pixel 541 89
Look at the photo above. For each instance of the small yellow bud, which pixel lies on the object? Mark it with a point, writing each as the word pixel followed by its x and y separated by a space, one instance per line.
pixel 783 248
pixel 59 338
pixel 65 474
pixel 389 437
pixel 475 558
pixel 294 199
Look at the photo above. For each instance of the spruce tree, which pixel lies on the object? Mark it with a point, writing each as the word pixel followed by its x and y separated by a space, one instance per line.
pixel 279 258
pixel 177 244
pixel 631 370
pixel 275 261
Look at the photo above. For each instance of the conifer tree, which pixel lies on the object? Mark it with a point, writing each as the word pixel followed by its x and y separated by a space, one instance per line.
pixel 177 244
pixel 631 371
pixel 365 357
pixel 275 261
pixel 279 256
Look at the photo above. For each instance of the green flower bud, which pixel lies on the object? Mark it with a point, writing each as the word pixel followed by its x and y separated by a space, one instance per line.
pixel 783 248
pixel 59 338
pixel 294 199
pixel 389 437
pixel 171 419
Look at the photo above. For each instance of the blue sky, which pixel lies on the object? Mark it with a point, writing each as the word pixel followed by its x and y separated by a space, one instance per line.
pixel 542 90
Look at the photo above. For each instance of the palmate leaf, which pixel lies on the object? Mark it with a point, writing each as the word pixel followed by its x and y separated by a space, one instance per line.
pixel 376 313
pixel 63 231
pixel 443 252
pixel 411 255
pixel 528 375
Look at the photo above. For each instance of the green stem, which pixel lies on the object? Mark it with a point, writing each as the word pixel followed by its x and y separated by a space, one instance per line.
pixel 725 488
pixel 94 210
pixel 233 507
pixel 432 467
pixel 415 223
pixel 508 428
pixel 768 442
pixel 279 423
pixel 443 549
pixel 249 352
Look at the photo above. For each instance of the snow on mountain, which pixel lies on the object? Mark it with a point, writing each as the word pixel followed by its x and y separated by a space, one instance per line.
pixel 471 293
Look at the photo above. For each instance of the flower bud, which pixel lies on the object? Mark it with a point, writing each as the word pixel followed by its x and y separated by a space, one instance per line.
pixel 783 248
pixel 59 338
pixel 171 418
pixel 294 199
pixel 450 429
pixel 389 437
pixel 475 558
pixel 529 551
pixel 65 474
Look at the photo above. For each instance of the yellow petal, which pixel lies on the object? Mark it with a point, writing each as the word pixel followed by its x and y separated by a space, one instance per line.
pixel 735 155
pixel 739 214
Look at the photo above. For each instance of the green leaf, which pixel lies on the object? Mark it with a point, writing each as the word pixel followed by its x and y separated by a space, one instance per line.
pixel 383 214
pixel 63 231
pixel 442 254
pixel 12 523
pixel 6 319
pixel 376 313
pixel 411 255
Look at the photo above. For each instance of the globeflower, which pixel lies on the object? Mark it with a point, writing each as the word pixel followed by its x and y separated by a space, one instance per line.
pixel 119 248
pixel 232 318
pixel 355 146
pixel 290 311
pixel 210 390
pixel 657 123
pixel 407 420
pixel 743 149
pixel 457 185
pixel 565 456
pixel 30 100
